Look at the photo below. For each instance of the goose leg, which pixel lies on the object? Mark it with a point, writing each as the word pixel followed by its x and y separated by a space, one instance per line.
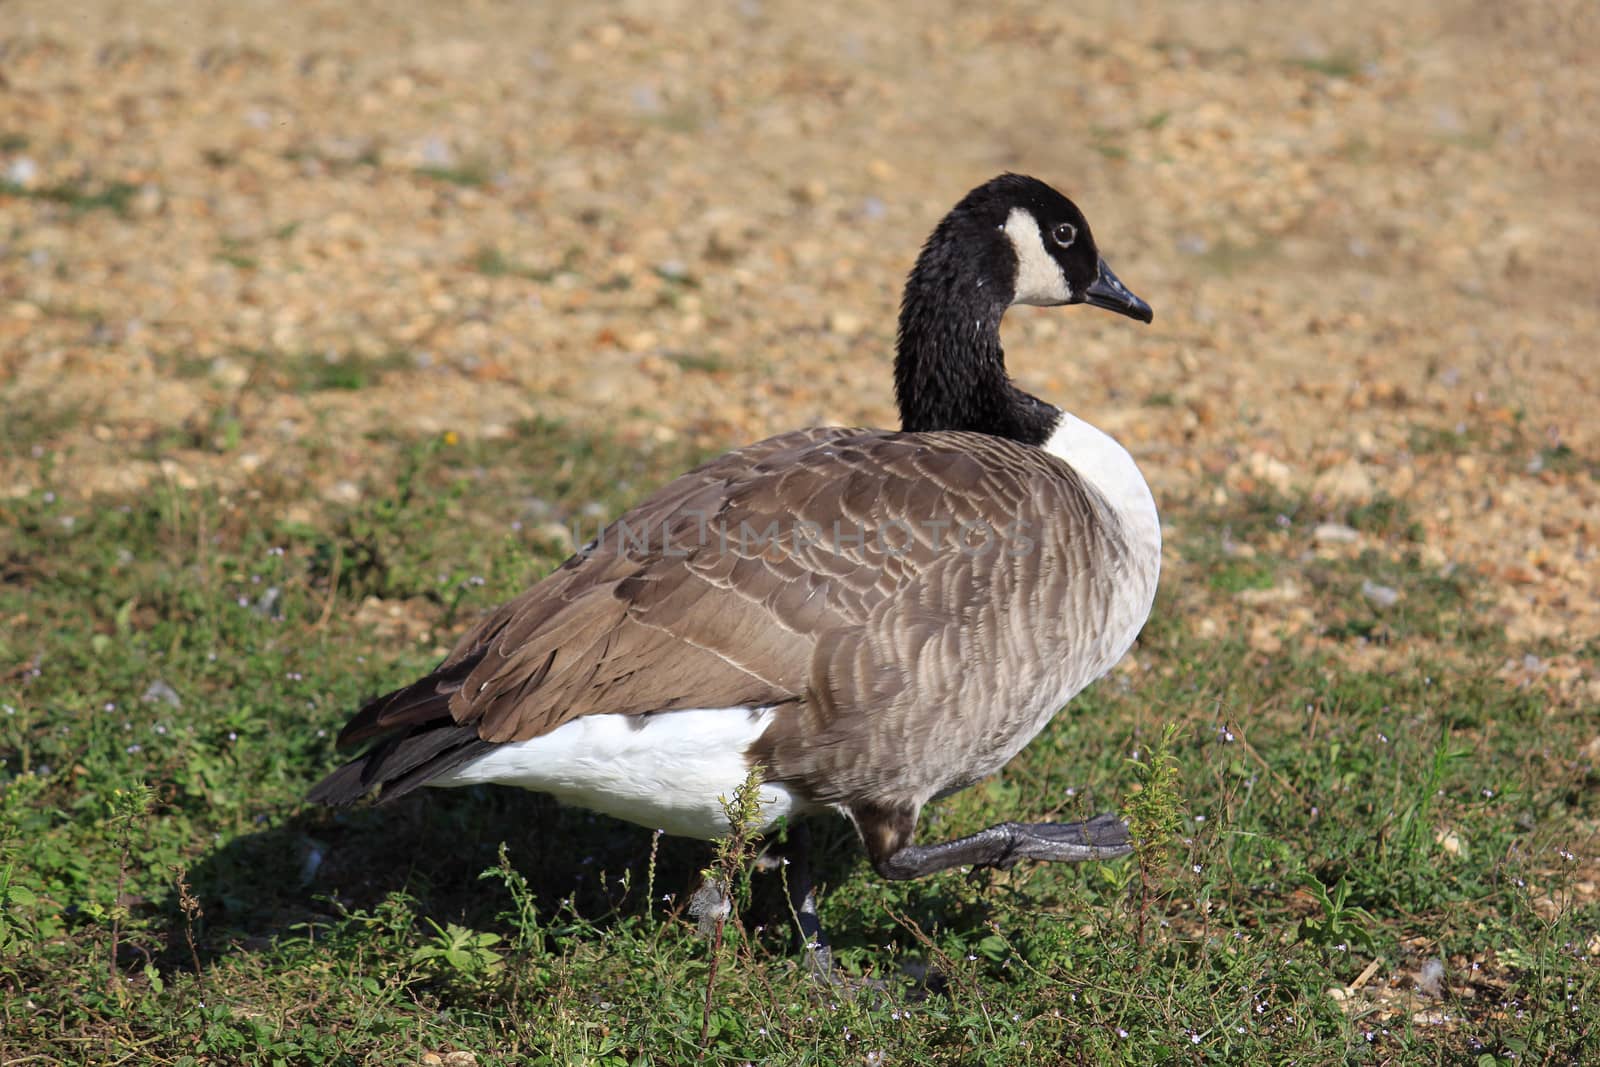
pixel 887 834
pixel 794 864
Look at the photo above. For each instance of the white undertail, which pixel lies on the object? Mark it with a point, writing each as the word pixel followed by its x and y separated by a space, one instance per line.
pixel 665 770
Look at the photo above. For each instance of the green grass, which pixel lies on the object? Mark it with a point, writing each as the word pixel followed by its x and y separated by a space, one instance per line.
pixel 1561 459
pixel 1333 65
pixel 166 896
pixel 78 197
pixel 492 262
pixel 305 372
pixel 699 362
pixel 237 253
pixel 1426 440
pixel 472 174
pixel 1512 444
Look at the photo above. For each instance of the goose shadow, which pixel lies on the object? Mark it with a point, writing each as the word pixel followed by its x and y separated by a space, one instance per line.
pixel 316 867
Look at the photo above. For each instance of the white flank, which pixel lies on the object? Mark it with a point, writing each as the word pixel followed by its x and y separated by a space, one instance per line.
pixel 667 770
pixel 1040 280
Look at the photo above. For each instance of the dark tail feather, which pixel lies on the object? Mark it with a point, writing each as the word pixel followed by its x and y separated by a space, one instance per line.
pixel 416 739
pixel 343 787
pixel 420 704
pixel 464 748
pixel 400 765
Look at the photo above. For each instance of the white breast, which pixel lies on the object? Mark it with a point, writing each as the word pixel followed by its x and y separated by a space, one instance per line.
pixel 666 771
pixel 1108 467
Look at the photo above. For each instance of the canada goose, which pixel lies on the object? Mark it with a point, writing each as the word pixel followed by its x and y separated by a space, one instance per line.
pixel 875 618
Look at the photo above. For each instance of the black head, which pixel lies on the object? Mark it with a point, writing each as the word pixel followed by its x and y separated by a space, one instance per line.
pixel 1037 240
pixel 1012 240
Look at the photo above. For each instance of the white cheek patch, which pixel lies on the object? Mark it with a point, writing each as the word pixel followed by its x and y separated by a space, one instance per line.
pixel 1040 280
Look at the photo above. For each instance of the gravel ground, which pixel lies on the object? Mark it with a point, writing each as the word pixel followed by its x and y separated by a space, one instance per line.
pixel 1367 231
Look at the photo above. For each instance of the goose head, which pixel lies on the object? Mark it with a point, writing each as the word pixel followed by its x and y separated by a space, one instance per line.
pixel 1012 240
pixel 1039 240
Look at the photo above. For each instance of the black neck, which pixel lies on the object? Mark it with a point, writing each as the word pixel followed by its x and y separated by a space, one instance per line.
pixel 950 370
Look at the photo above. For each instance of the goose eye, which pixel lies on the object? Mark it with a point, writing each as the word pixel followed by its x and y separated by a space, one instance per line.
pixel 1064 234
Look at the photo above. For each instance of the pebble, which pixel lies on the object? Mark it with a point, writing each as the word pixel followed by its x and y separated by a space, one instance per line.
pixel 1381 596
pixel 160 692
pixel 1281 593
pixel 809 192
pixel 342 492
pixel 557 535
pixel 229 372
pixel 148 202
pixel 845 324
pixel 1335 533
pixel 1347 483
pixel 22 172
pixel 1271 470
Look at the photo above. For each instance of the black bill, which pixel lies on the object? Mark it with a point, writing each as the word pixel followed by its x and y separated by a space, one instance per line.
pixel 1107 291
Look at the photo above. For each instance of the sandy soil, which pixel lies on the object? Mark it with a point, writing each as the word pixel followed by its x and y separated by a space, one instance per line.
pixel 1368 232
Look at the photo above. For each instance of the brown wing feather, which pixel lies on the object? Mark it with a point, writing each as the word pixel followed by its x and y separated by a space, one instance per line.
pixel 762 581
pixel 513 639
